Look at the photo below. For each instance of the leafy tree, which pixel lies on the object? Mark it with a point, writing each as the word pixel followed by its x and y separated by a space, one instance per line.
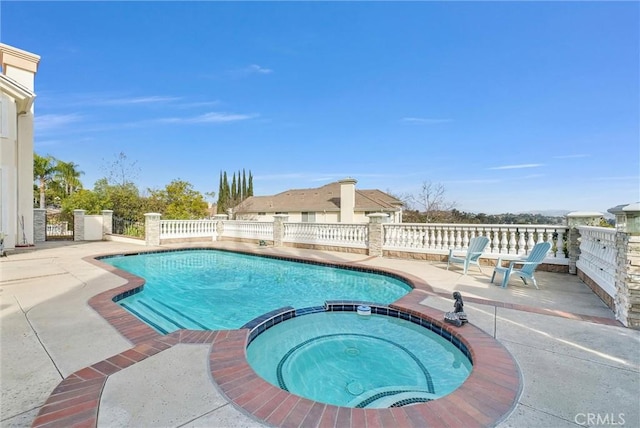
pixel 44 168
pixel 123 199
pixel 82 200
pixel 179 201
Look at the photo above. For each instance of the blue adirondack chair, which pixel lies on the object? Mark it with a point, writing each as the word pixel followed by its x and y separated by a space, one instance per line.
pixel 476 247
pixel 529 265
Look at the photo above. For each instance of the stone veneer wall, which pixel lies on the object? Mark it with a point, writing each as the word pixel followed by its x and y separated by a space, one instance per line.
pixel 39 225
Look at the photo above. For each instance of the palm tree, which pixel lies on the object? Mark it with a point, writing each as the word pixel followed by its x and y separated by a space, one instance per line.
pixel 69 176
pixel 44 168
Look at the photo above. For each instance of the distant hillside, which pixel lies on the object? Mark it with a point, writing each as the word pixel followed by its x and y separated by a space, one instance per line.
pixel 547 213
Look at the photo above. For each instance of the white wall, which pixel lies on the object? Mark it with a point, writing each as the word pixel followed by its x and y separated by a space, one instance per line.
pixel 8 186
pixel 93 227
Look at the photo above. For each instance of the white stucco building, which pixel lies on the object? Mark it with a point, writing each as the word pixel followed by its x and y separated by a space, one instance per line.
pixel 16 145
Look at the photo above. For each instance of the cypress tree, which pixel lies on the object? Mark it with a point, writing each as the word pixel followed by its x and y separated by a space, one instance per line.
pixel 244 195
pixel 226 192
pixel 234 189
pixel 220 195
pixel 250 186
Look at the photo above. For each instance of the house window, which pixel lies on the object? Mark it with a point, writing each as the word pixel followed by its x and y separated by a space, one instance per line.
pixel 262 213
pixel 308 217
pixel 282 212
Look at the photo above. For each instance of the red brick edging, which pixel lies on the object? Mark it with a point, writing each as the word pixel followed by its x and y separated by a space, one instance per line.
pixel 487 396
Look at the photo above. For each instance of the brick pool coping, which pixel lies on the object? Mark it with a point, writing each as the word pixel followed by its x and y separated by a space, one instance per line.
pixel 488 395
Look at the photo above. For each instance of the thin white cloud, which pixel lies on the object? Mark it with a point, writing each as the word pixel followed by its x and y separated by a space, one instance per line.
pixel 197 104
pixel 154 99
pixel 627 177
pixel 49 122
pixel 212 117
pixel 426 120
pixel 249 70
pixel 571 156
pixel 520 166
pixel 255 68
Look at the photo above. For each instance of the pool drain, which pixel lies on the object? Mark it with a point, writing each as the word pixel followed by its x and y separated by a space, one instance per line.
pixel 352 351
pixel 355 388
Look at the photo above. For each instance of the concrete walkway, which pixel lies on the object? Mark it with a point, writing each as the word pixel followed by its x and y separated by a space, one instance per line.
pixel 579 367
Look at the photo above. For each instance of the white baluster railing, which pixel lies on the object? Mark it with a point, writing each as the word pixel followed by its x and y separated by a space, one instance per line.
pixel 248 229
pixel 515 240
pixel 598 256
pixel 170 229
pixel 338 234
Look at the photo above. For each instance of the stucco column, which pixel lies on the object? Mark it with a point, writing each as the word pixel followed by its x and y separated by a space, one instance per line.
pixel 39 224
pixel 107 222
pixel 152 228
pixel 25 176
pixel 627 298
pixel 375 233
pixel 575 219
pixel 278 229
pixel 219 218
pixel 78 225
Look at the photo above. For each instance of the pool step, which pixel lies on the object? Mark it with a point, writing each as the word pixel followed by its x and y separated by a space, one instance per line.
pixel 162 317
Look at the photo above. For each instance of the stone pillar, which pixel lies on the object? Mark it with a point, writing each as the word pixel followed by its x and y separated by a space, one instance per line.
pixel 575 219
pixel 152 228
pixel 107 222
pixel 278 229
pixel 627 298
pixel 78 225
pixel 219 218
pixel 376 237
pixel 39 224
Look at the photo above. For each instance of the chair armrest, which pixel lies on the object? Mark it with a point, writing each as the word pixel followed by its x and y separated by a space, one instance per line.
pixel 520 262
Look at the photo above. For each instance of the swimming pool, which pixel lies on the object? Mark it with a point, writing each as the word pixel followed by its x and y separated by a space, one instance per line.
pixel 351 360
pixel 217 290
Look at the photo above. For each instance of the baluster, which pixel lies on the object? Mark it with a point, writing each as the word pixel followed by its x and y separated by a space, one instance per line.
pixel 445 238
pixel 504 242
pixel 512 241
pixel 496 240
pixel 432 238
pixel 521 242
pixel 465 238
pixel 560 244
pixel 550 239
pixel 530 241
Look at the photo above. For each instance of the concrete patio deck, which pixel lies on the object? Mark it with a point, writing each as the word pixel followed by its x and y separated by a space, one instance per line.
pixel 579 366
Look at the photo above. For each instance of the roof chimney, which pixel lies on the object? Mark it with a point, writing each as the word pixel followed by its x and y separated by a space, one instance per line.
pixel 347 199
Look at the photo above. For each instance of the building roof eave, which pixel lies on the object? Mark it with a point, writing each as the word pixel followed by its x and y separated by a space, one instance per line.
pixel 23 97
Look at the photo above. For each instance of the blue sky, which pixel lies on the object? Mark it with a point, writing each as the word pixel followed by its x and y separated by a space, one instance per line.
pixel 512 106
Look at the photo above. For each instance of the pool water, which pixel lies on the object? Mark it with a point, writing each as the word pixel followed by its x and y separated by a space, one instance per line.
pixel 347 359
pixel 217 290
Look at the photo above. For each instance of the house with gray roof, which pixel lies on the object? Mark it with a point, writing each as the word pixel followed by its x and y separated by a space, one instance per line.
pixel 337 202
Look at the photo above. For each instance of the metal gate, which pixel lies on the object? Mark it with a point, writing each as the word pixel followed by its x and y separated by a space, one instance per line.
pixel 58 227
